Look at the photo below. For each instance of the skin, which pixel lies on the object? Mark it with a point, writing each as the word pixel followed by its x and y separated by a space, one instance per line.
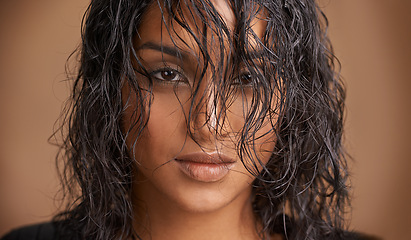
pixel 168 203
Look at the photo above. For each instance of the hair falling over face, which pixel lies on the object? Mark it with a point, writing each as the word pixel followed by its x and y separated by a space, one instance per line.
pixel 283 82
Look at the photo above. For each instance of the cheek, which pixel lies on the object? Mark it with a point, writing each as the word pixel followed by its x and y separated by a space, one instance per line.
pixel 165 128
pixel 163 134
pixel 167 118
pixel 263 145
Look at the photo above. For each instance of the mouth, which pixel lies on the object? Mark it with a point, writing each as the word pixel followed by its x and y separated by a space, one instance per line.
pixel 204 167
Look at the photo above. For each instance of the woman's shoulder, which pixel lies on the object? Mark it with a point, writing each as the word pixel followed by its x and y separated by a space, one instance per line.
pixel 53 231
pixel 288 229
pixel 347 235
pixel 42 231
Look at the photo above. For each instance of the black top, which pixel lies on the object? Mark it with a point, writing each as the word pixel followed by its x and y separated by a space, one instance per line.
pixel 47 231
pixel 44 231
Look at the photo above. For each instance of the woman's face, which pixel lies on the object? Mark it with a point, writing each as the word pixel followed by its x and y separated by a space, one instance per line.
pixel 199 172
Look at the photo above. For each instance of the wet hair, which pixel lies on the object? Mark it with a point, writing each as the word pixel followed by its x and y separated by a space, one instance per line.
pixel 301 192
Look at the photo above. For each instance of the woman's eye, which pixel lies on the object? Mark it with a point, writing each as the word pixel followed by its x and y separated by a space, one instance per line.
pixel 168 75
pixel 244 79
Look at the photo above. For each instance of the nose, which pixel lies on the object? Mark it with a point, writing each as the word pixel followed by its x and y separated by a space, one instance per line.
pixel 206 116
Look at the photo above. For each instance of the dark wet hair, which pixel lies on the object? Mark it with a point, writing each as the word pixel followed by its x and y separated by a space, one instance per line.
pixel 301 192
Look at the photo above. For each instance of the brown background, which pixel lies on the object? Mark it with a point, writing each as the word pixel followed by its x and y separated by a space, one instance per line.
pixel 371 38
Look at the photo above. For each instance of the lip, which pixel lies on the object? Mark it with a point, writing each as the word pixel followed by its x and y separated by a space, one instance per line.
pixel 205 167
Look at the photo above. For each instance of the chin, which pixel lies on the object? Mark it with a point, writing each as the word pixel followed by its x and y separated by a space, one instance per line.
pixel 196 197
pixel 203 201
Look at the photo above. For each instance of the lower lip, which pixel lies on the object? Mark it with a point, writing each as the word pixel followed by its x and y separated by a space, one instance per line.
pixel 205 172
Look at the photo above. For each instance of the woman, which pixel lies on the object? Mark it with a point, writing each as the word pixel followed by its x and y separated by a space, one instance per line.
pixel 203 119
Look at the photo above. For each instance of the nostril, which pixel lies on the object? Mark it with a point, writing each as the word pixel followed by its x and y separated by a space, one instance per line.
pixel 207 127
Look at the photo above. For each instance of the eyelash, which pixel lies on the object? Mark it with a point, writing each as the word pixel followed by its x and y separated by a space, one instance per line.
pixel 157 75
pixel 181 78
pixel 237 81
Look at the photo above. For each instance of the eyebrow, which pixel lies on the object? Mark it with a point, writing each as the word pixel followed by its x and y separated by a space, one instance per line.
pixel 178 53
pixel 169 50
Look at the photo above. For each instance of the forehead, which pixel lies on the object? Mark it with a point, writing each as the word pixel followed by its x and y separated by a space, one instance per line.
pixel 189 25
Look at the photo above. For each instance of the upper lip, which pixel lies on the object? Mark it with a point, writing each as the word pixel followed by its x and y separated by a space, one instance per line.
pixel 206 158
